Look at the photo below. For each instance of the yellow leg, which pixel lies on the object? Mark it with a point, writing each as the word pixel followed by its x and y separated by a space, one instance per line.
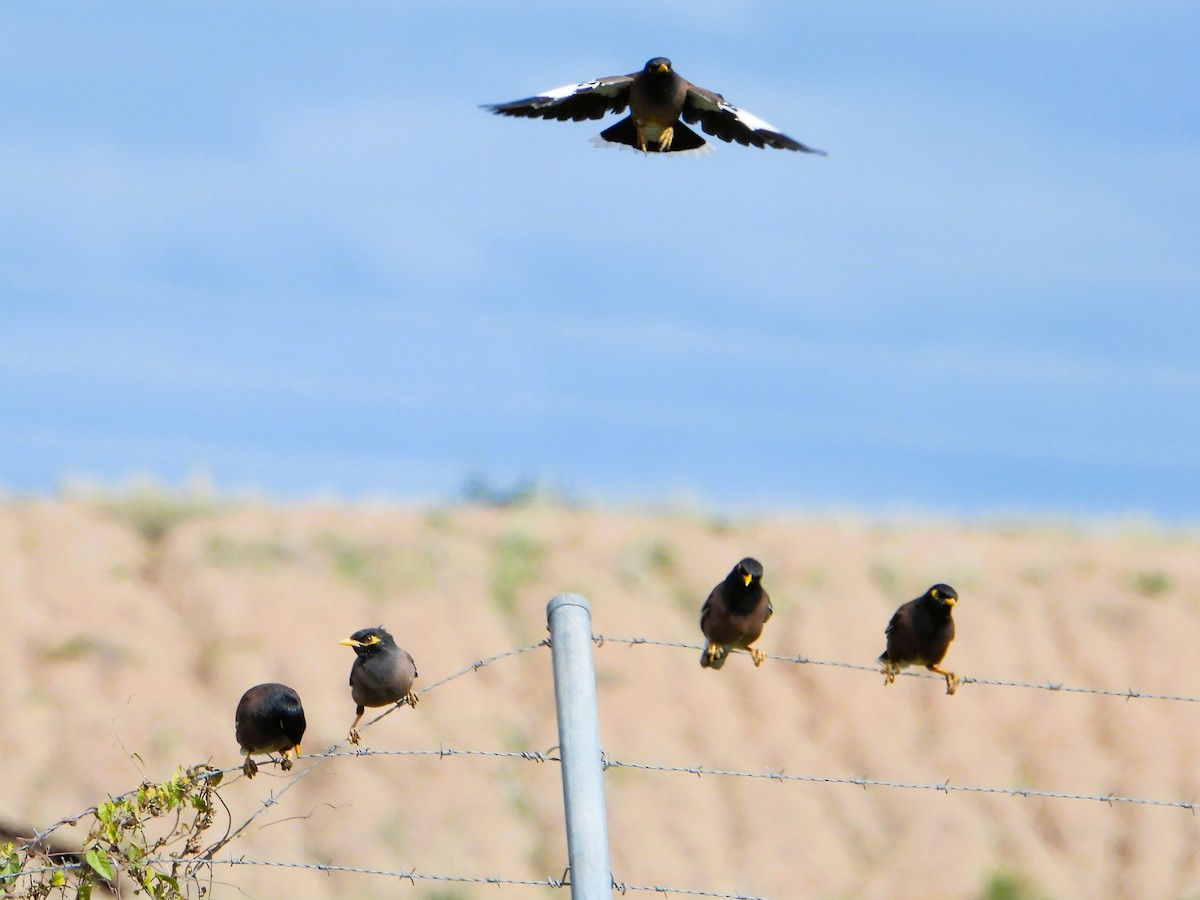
pixel 249 767
pixel 353 736
pixel 664 139
pixel 889 671
pixel 410 698
pixel 714 652
pixel 757 655
pixel 952 680
pixel 287 760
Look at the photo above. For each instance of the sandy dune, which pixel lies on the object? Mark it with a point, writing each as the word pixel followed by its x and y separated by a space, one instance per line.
pixel 126 657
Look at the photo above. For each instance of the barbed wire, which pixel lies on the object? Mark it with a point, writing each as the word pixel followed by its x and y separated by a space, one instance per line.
pixel 544 756
pixel 624 888
pixel 944 787
pixel 1128 694
pixel 412 876
pixel 274 796
pixel 334 752
pixel 208 857
pixel 40 836
pixel 62 867
pixel 530 755
pixel 601 639
pixel 480 663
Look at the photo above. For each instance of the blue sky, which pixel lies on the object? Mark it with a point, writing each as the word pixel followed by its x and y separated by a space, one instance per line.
pixel 281 244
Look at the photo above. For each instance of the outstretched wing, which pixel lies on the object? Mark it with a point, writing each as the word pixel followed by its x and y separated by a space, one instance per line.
pixel 720 118
pixel 588 100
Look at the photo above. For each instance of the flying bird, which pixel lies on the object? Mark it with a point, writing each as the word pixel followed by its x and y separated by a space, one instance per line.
pixel 734 614
pixel 919 634
pixel 659 102
pixel 269 719
pixel 382 673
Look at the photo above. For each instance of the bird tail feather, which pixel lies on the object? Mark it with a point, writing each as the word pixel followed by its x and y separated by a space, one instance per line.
pixel 625 132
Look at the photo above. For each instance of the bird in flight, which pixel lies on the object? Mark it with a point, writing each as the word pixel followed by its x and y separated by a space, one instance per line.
pixel 660 101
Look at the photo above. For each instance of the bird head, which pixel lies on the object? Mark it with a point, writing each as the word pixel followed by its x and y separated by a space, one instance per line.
pixel 748 570
pixel 944 594
pixel 369 640
pixel 660 65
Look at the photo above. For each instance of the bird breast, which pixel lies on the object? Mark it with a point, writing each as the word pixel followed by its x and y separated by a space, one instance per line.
pixel 382 679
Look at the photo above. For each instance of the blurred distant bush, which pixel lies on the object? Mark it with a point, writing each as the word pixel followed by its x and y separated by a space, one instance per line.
pixel 148 508
pixel 1152 583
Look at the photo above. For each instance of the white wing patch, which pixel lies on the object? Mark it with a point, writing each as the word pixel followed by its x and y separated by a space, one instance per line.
pixel 611 89
pixel 568 90
pixel 751 121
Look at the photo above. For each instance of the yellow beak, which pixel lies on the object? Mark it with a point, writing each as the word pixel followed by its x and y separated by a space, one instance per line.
pixel 661 67
pixel 747 579
pixel 350 642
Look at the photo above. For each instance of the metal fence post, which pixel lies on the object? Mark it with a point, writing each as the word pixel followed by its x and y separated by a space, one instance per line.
pixel 570 621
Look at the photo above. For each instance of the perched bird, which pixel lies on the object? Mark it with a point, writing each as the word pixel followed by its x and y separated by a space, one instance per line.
pixel 382 673
pixel 734 614
pixel 658 99
pixel 920 633
pixel 269 718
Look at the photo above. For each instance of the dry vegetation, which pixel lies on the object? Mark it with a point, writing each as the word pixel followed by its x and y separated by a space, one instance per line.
pixel 133 623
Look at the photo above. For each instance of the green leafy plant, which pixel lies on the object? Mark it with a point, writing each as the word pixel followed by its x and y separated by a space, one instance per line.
pixel 147 836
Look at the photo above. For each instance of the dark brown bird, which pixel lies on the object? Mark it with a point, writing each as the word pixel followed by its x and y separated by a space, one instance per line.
pixel 920 633
pixel 382 673
pixel 734 614
pixel 269 719
pixel 658 99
